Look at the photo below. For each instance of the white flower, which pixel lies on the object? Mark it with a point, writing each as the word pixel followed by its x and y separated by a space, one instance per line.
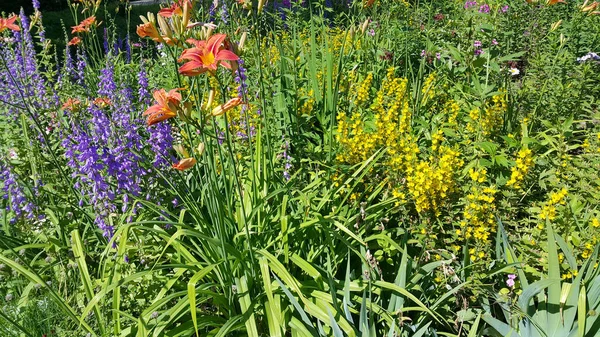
pixel 12 154
pixel 514 71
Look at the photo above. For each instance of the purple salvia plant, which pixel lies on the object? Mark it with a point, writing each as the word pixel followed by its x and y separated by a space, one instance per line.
pixel 17 201
pixel 161 141
pixel 105 44
pixel 38 13
pixel 143 92
pixel 107 86
pixel 224 13
pixel 81 64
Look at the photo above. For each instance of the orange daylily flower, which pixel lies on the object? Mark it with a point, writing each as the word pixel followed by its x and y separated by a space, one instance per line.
pixel 74 41
pixel 9 24
pixel 368 3
pixel 71 104
pixel 84 26
pixel 166 107
pixel 175 9
pixel 221 109
pixel 148 29
pixel 206 56
pixel 102 102
pixel 184 164
pixel 548 2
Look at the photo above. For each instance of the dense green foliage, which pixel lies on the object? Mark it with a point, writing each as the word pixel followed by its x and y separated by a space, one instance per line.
pixel 387 168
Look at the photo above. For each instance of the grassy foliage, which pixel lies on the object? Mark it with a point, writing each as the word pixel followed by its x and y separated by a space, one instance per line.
pixel 393 168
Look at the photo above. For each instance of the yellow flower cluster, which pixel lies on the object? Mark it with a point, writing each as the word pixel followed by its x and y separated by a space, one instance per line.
pixel 474 115
pixel 428 181
pixel 491 118
pixel 589 248
pixel 357 144
pixel 478 176
pixel 396 193
pixel 524 162
pixel 436 139
pixel 393 119
pixel 390 103
pixel 592 239
pixel 306 107
pixel 403 155
pixel 428 89
pixel 391 115
pixel 451 110
pixel 362 95
pixel 431 181
pixel 479 210
pixel 340 39
pixel 549 208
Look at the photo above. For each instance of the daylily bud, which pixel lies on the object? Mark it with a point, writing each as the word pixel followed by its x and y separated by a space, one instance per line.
pixel 211 98
pixel 185 164
pixel 351 32
pixel 555 25
pixel 363 27
pixel 200 149
pixel 187 110
pixel 180 149
pixel 261 4
pixel 590 7
pixel 242 42
pixel 221 109
pixel 186 13
pixel 164 27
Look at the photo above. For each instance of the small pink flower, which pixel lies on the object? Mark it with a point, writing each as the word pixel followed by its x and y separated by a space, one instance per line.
pixel 511 280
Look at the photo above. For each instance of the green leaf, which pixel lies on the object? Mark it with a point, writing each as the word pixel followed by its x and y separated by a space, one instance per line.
pixel 192 292
pixel 581 312
pixel 36 279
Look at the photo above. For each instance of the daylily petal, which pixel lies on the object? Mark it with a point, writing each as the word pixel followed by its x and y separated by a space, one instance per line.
pixel 185 164
pixel 226 55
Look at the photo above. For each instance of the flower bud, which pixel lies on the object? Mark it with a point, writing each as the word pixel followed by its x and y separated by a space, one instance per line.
pixel 180 149
pixel 200 149
pixel 242 42
pixel 261 4
pixel 363 27
pixel 211 98
pixel 185 164
pixel 221 109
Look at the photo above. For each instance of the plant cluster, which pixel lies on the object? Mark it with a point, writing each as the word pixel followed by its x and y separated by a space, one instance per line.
pixel 373 168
